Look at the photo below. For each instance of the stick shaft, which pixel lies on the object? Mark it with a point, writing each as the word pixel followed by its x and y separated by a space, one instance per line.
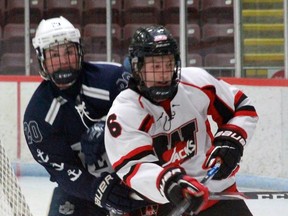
pixel 249 195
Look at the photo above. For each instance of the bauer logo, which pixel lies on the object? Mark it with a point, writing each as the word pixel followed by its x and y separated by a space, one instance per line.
pixel 232 135
pixel 101 189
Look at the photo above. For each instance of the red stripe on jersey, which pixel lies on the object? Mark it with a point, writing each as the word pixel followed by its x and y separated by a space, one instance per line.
pixel 139 100
pixel 136 153
pixel 246 113
pixel 146 123
pixel 131 175
pixel 217 108
pixel 238 96
pixel 216 105
pixel 246 110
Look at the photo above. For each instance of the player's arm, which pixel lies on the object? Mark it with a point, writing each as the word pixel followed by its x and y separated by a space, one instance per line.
pixel 236 118
pixel 53 152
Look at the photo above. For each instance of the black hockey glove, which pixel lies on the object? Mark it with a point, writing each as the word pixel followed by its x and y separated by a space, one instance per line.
pixel 176 186
pixel 228 149
pixel 114 196
pixel 92 142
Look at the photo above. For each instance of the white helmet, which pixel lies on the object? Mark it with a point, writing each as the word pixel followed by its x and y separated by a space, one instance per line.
pixel 54 31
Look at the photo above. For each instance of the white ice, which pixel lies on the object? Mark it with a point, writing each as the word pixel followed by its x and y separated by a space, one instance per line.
pixel 38 191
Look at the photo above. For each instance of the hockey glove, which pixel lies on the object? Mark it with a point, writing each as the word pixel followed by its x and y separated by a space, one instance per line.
pixel 92 142
pixel 114 196
pixel 176 186
pixel 228 149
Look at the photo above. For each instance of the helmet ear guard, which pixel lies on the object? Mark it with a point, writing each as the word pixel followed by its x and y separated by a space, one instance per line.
pixel 40 58
pixel 136 65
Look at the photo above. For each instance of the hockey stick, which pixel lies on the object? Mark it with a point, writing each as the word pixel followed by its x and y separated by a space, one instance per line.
pixel 261 195
pixel 255 195
pixel 184 205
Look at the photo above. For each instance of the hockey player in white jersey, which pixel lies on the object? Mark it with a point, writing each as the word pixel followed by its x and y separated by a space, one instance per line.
pixel 158 137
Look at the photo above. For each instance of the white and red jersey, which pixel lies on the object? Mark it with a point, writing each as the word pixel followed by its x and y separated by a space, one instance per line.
pixel 142 138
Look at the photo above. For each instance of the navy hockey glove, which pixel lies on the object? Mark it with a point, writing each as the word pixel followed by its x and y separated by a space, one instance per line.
pixel 92 143
pixel 114 196
pixel 176 186
pixel 228 149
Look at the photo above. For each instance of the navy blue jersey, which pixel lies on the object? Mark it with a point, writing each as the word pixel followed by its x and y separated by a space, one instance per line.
pixel 55 120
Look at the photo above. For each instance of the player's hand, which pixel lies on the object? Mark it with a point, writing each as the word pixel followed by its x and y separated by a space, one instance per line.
pixel 114 196
pixel 228 149
pixel 176 186
pixel 92 142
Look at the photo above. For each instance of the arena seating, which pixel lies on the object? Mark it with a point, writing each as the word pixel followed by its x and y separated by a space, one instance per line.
pixel 94 37
pixel 210 29
pixel 194 60
pixel 141 11
pixel 95 11
pixel 212 32
pixel 13 37
pixel 170 11
pixel 219 60
pixel 1 40
pixel 15 11
pixel 217 11
pixel 193 34
pixel 2 12
pixel 70 9
pixel 220 64
pixel 217 38
pixel 13 64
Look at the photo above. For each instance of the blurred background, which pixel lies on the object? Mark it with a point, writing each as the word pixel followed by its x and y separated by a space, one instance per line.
pixel 243 38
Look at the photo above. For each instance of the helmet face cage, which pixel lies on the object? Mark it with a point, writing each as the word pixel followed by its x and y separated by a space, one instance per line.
pixel 62 63
pixel 155 41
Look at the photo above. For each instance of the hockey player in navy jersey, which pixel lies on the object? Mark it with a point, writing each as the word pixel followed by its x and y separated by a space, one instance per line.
pixel 64 128
pixel 158 136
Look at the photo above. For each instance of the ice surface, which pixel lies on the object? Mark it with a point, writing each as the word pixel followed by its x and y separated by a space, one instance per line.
pixel 37 192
